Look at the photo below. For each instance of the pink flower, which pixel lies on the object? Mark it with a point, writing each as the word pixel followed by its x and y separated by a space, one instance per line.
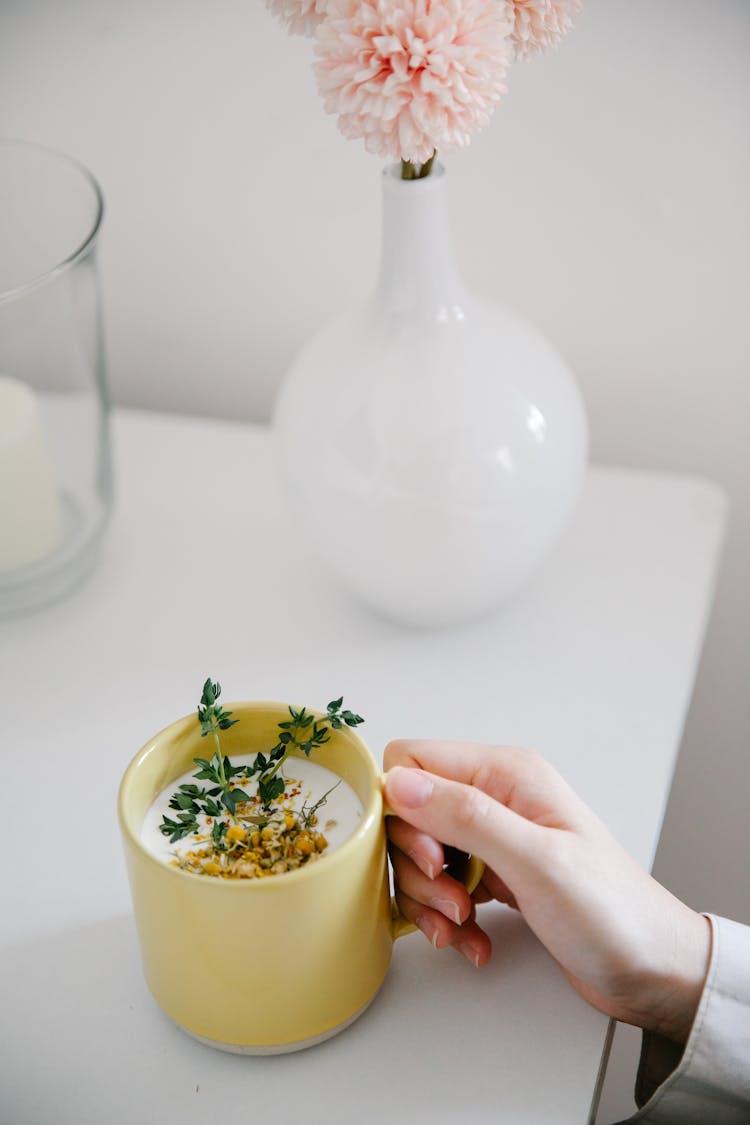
pixel 538 24
pixel 300 17
pixel 412 76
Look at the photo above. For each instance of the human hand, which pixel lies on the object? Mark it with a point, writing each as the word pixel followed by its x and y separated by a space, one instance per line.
pixel 627 945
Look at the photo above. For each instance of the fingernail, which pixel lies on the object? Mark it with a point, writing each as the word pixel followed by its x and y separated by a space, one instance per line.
pixel 470 953
pixel 448 908
pixel 408 787
pixel 423 865
pixel 429 929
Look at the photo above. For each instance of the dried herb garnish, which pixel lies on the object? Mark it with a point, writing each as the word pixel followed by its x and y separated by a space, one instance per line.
pixel 244 840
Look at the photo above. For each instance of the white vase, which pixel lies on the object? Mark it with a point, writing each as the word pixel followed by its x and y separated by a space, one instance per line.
pixel 433 444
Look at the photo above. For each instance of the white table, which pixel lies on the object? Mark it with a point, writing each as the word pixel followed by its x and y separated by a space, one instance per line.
pixel 201 574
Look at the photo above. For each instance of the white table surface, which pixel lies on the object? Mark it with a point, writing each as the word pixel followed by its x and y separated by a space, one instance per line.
pixel 201 574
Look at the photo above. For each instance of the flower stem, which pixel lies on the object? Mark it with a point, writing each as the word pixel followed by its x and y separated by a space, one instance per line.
pixel 410 171
pixel 266 776
pixel 220 760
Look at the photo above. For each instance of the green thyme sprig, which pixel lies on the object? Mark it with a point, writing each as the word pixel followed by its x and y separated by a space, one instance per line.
pixel 213 718
pixel 301 731
pixel 189 800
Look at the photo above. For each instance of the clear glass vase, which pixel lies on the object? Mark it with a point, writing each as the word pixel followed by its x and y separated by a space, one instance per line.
pixel 433 443
pixel 55 469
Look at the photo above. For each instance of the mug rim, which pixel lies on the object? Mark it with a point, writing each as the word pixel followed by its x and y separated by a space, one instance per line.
pixel 372 811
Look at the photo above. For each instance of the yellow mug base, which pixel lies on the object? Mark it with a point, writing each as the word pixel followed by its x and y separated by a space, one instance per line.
pixel 277 1048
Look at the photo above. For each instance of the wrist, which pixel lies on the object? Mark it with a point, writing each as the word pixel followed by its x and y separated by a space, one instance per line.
pixel 677 994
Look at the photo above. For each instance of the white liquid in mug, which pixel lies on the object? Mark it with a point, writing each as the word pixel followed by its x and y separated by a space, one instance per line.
pixel 305 784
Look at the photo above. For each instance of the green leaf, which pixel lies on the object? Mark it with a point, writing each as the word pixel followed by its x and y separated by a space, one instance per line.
pixel 183 801
pixel 207 774
pixel 232 798
pixel 334 706
pixel 193 790
pixel 177 829
pixel 269 790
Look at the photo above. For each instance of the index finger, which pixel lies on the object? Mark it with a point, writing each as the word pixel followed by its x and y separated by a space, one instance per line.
pixel 519 778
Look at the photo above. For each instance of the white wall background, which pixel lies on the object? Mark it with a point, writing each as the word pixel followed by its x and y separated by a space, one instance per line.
pixel 608 201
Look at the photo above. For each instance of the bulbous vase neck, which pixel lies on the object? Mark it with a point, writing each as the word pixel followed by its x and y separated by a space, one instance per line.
pixel 418 275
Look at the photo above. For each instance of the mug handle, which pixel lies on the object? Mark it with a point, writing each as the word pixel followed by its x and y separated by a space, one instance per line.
pixel 468 869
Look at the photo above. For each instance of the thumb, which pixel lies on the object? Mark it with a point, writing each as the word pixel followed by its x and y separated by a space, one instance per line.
pixel 462 816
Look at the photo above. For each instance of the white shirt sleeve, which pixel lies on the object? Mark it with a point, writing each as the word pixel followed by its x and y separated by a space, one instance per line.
pixel 707 1083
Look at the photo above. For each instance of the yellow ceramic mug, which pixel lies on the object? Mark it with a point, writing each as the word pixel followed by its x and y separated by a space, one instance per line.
pixel 272 965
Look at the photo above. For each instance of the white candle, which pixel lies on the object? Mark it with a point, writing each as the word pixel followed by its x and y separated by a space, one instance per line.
pixel 30 514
